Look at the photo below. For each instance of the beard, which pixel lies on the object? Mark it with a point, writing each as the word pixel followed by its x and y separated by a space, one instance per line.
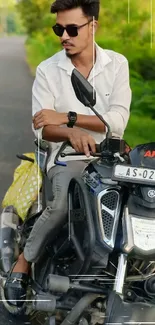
pixel 70 55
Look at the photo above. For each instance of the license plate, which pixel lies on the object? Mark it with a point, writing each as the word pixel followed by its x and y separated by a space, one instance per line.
pixel 134 174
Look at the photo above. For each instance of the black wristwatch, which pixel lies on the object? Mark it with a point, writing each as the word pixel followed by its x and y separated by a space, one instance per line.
pixel 72 117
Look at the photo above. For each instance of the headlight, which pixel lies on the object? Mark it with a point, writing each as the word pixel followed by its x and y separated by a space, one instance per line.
pixel 143 233
pixel 138 233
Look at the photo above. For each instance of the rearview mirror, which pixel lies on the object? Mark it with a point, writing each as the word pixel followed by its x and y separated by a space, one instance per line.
pixel 83 89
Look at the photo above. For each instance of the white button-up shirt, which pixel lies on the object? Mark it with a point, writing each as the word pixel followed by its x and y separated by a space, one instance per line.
pixel 52 89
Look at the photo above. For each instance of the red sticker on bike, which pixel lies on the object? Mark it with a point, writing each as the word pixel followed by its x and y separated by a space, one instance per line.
pixel 150 154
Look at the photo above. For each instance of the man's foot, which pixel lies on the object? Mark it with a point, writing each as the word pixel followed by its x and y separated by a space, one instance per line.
pixel 16 284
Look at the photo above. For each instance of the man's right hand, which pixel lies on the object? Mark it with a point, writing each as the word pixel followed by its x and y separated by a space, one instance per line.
pixel 82 141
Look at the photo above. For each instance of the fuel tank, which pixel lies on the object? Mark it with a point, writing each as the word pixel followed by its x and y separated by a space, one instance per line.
pixel 143 155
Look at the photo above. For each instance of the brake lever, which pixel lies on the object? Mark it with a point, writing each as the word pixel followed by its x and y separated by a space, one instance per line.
pixel 63 155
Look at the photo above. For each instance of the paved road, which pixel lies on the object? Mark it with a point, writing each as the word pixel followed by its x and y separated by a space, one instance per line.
pixel 15 108
pixel 15 120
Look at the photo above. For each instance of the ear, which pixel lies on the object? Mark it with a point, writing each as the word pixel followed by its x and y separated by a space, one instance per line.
pixel 94 26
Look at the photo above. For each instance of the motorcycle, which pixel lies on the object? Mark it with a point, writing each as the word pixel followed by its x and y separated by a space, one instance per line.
pixel 100 268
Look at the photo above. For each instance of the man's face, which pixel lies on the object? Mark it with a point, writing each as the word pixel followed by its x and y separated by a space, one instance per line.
pixel 75 45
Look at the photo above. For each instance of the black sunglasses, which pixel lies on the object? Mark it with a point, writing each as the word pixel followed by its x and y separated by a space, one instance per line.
pixel 72 30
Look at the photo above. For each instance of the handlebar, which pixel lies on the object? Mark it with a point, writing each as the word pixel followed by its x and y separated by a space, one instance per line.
pixel 96 154
pixel 79 154
pixel 114 148
pixel 62 148
pixel 98 151
pixel 104 150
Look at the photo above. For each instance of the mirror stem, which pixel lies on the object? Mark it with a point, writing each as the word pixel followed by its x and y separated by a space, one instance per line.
pixel 109 134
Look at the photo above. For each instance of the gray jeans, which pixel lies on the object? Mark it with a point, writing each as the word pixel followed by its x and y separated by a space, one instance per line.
pixel 53 217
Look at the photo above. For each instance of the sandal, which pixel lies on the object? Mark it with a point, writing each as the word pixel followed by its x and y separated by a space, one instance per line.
pixel 15 288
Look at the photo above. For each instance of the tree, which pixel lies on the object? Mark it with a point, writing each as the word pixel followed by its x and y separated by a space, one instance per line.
pixel 10 21
pixel 35 14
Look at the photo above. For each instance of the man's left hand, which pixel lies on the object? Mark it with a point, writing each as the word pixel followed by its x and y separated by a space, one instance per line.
pixel 48 117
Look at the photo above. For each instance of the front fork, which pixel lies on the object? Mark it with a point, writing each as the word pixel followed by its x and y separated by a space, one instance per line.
pixel 120 274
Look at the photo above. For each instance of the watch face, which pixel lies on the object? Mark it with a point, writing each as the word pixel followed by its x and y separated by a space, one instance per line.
pixel 72 114
pixel 72 117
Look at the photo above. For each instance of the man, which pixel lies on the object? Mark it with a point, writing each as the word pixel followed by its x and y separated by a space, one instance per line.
pixel 54 102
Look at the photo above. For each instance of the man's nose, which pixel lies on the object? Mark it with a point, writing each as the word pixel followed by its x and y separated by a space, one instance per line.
pixel 65 36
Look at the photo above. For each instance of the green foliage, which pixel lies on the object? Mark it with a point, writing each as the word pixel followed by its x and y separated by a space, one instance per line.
pixel 14 24
pixel 40 47
pixel 11 24
pixel 35 14
pixel 139 130
pixel 143 96
pixel 123 27
pixel 10 21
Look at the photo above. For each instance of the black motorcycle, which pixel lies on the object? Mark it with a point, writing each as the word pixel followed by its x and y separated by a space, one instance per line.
pixel 100 269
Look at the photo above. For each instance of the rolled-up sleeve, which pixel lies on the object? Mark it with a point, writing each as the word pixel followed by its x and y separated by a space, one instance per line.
pixel 119 102
pixel 42 97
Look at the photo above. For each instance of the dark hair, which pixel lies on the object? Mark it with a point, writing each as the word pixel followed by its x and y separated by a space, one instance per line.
pixel 90 8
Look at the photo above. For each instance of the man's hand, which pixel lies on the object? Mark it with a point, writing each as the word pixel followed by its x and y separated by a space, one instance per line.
pixel 82 141
pixel 48 117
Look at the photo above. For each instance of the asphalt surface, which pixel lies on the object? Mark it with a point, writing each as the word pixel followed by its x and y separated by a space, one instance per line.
pixel 15 122
pixel 15 108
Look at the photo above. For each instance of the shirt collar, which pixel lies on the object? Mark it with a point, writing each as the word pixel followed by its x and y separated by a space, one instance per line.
pixel 102 59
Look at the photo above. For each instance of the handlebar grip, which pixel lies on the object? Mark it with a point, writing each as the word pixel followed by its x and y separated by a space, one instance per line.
pixel 23 157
